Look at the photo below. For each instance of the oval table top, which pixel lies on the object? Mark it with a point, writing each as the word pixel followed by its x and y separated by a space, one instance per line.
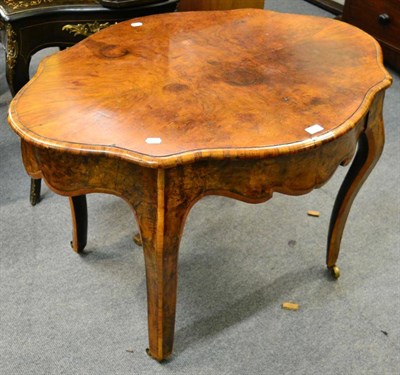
pixel 170 89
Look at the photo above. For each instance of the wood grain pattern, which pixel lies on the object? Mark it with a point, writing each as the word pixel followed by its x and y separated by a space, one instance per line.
pixel 370 146
pixel 188 87
pixel 230 94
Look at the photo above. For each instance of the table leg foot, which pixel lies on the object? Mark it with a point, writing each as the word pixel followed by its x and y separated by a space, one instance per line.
pixel 153 357
pixel 161 261
pixel 137 239
pixel 79 222
pixel 335 271
pixel 34 195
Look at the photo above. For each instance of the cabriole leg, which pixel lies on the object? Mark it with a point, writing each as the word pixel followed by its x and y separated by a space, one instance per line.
pixel 161 226
pixel 370 146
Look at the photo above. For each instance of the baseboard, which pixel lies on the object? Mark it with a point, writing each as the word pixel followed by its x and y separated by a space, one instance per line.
pixel 329 5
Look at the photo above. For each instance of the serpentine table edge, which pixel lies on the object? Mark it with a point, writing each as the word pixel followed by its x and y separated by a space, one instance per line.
pixel 162 189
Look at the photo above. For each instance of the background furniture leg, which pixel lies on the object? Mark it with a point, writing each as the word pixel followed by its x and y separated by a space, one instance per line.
pixel 17 67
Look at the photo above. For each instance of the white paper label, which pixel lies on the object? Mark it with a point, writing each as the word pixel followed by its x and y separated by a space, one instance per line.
pixel 153 141
pixel 314 129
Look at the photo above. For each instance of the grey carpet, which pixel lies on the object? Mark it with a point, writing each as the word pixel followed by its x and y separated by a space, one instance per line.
pixel 61 313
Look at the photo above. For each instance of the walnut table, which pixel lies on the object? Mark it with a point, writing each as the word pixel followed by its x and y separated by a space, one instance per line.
pixel 166 109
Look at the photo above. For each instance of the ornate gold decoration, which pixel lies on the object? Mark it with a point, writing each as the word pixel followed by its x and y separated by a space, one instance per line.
pixel 11 51
pixel 85 29
pixel 18 4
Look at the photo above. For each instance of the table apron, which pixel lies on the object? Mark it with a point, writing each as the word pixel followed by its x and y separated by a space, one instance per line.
pixel 252 180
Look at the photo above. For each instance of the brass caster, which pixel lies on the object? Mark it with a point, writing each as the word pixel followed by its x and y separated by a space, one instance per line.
pixel 335 272
pixel 137 239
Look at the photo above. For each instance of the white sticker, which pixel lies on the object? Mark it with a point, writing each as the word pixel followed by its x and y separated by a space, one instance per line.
pixel 314 129
pixel 136 24
pixel 153 141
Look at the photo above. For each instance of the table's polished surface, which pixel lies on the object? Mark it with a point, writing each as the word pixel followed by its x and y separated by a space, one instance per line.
pixel 247 82
pixel 179 106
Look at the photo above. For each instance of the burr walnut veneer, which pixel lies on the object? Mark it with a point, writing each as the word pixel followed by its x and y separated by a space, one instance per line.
pixel 166 109
pixel 27 26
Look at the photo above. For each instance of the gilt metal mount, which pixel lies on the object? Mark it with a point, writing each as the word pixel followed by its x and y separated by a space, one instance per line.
pixel 85 29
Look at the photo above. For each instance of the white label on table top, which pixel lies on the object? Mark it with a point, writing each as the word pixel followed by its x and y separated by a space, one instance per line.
pixel 153 141
pixel 136 24
pixel 314 129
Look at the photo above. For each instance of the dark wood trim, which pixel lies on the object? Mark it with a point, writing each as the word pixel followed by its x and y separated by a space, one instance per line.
pixel 329 5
